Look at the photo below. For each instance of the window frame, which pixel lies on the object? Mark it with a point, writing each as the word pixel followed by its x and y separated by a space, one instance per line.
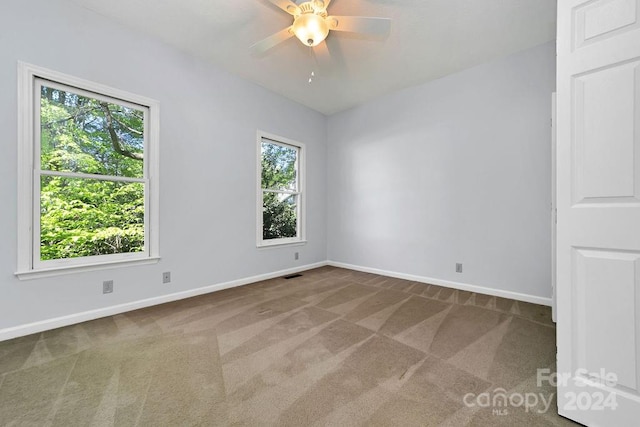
pixel 301 192
pixel 30 80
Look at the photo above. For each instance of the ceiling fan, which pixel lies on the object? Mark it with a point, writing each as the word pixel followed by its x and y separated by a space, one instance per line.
pixel 312 23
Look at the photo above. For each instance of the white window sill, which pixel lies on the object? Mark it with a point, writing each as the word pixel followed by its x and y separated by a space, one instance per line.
pixel 265 245
pixel 59 271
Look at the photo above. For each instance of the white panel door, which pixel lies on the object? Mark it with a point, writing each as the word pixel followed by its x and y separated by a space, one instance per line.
pixel 598 201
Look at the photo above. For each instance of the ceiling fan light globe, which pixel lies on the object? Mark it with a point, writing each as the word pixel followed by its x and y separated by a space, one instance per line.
pixel 310 29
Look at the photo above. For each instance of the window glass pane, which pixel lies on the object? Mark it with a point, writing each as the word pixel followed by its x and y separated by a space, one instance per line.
pixel 279 215
pixel 85 217
pixel 87 135
pixel 279 164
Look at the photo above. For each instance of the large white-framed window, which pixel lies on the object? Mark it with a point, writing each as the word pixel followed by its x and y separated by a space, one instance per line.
pixel 281 191
pixel 88 175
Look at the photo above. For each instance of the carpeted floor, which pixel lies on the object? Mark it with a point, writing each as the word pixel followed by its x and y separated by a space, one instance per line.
pixel 333 347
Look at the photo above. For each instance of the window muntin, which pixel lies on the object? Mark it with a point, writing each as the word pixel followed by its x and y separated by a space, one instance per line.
pixel 88 167
pixel 280 190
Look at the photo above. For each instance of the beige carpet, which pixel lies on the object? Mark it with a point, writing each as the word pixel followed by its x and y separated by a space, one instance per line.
pixel 333 347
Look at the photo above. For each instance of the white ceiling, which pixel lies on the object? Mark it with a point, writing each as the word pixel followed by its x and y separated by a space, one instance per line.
pixel 428 39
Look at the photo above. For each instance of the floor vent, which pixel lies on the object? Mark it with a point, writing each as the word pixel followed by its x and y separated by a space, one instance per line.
pixel 292 276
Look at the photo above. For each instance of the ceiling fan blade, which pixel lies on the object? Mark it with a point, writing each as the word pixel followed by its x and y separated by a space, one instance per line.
pixel 277 38
pixel 287 5
pixel 326 3
pixel 360 24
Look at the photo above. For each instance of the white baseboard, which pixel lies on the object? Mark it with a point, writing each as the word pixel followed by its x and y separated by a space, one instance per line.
pixel 455 285
pixel 45 325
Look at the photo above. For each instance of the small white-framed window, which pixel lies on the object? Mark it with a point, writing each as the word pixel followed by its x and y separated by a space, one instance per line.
pixel 281 194
pixel 88 170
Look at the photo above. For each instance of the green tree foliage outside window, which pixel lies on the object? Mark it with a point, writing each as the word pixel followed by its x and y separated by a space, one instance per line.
pixel 92 199
pixel 280 192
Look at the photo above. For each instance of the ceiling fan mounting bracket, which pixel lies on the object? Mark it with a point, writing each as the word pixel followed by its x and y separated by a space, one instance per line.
pixel 315 7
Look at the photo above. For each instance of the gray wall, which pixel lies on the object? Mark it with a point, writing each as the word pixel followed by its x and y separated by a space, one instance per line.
pixel 208 143
pixel 456 170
